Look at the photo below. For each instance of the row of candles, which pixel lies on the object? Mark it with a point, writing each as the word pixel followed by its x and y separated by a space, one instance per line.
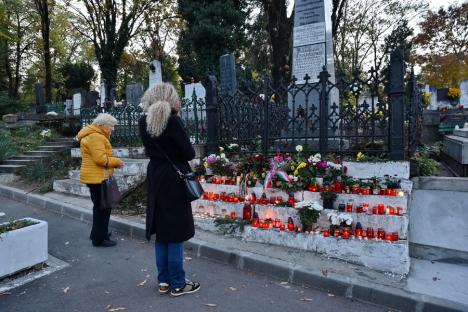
pixel 379 209
pixel 355 189
pixel 252 199
pixel 336 187
pixel 344 233
pixel 359 233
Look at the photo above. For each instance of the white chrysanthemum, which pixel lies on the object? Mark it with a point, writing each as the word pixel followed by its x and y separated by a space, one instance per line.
pixel 2 214
pixel 299 148
pixel 222 155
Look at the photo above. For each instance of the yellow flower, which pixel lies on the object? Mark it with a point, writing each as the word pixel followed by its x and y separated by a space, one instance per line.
pixel 205 164
pixel 296 172
pixel 360 156
pixel 454 93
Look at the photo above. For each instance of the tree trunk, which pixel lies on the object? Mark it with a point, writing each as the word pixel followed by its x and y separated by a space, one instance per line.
pixel 43 10
pixel 279 29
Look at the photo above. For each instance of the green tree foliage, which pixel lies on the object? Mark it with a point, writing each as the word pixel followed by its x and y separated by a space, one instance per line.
pixel 77 75
pixel 444 42
pixel 212 28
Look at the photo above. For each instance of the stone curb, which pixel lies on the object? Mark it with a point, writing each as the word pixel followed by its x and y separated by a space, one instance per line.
pixel 454 184
pixel 358 290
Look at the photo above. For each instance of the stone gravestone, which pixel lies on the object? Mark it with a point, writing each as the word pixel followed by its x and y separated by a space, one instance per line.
pixel 90 98
pixel 76 103
pixel 155 73
pixel 312 50
pixel 41 108
pixel 133 93
pixel 68 107
pixel 464 93
pixel 228 79
pixel 199 91
pixel 103 94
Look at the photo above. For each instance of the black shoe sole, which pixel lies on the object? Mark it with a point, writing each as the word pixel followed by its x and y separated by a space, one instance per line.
pixel 185 292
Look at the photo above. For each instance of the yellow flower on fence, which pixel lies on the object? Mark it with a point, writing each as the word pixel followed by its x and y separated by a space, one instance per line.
pixel 360 156
pixel 453 93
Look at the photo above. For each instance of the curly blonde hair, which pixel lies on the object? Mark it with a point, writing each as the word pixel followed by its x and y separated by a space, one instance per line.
pixel 105 119
pixel 158 101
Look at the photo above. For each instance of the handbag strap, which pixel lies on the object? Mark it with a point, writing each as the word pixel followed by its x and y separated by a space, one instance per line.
pixel 181 175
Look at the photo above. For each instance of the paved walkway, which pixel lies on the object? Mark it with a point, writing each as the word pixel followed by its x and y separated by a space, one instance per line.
pixel 102 279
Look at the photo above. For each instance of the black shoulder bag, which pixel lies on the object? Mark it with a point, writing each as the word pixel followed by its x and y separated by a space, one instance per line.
pixel 110 193
pixel 193 188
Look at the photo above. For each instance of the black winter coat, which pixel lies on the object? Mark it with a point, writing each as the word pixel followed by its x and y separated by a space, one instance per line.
pixel 169 212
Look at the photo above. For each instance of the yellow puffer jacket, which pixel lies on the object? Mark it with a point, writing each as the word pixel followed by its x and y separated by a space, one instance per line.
pixel 96 151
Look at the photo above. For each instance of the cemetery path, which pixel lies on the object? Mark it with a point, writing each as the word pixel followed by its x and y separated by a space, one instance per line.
pixel 105 279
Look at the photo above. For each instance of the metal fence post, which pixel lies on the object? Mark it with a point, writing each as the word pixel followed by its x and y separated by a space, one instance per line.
pixel 323 131
pixel 266 113
pixel 195 116
pixel 212 114
pixel 397 105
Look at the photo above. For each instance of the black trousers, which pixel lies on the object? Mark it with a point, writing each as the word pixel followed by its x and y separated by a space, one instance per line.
pixel 99 231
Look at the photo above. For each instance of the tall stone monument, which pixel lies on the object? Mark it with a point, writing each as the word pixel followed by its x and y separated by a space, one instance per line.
pixel 40 100
pixel 155 73
pixel 103 94
pixel 133 93
pixel 228 79
pixel 312 40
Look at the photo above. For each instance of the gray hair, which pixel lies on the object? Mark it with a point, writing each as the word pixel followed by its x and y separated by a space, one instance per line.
pixel 158 102
pixel 105 119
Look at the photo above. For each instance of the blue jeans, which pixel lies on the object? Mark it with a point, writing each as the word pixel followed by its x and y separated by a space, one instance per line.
pixel 170 263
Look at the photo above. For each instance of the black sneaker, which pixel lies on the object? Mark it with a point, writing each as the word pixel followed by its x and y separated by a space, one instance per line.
pixel 105 243
pixel 188 288
pixel 164 288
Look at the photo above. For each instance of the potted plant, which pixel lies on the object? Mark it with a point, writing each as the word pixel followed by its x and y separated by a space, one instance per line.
pixel 309 212
pixel 339 222
pixel 23 244
pixel 328 199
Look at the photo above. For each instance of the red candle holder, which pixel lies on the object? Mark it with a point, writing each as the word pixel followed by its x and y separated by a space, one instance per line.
pixel 279 200
pixel 242 199
pixel 389 192
pixel 346 234
pixel 388 237
pixel 358 233
pixel 395 236
pixel 338 186
pixel 349 206
pixel 312 188
pixel 298 229
pixel 381 209
pixel 272 200
pixel 233 215
pixel 365 207
pixel 337 233
pixel 291 226
pixel 282 227
pixel 359 209
pixel 326 233
pixel 370 233
pixel 391 211
pixel 382 191
pixel 277 223
pixel 355 189
pixel 256 223
pixel 399 211
pixel 215 196
pixel 381 234
pixel 247 212
pixel 374 210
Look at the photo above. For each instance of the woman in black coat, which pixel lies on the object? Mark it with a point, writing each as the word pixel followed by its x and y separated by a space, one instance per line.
pixel 169 212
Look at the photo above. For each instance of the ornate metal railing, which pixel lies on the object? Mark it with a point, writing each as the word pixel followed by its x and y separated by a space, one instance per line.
pixel 193 114
pixel 361 114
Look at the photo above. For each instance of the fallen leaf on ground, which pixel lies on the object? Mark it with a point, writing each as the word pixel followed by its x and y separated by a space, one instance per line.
pixel 212 305
pixel 324 272
pixel 188 258
pixel 66 243
pixel 5 293
pixel 284 283
pixel 111 309
pixel 107 292
pixel 144 270
pixel 331 295
pixel 145 281
pixel 306 299
pixel 66 289
pixel 232 288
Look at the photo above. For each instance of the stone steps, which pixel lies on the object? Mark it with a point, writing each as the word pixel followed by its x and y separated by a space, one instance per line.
pixel 133 173
pixel 49 149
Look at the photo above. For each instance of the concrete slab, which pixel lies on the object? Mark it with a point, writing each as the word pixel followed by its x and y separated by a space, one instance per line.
pixel 440 219
pixel 367 170
pixel 457 148
pixel 441 280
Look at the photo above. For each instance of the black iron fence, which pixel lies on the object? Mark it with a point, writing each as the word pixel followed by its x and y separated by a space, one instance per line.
pixel 367 113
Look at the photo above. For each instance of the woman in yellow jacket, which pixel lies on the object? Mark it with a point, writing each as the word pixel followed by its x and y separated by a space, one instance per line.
pixel 96 154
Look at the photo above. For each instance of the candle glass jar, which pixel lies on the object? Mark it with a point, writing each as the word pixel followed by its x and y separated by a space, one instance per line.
pixel 326 233
pixel 381 209
pixel 395 236
pixel 370 232
pixel 336 233
pixel 282 227
pixel 381 233
pixel 247 212
pixel 233 215
pixel 277 223
pixel 349 205
pixel 346 233
pixel 341 207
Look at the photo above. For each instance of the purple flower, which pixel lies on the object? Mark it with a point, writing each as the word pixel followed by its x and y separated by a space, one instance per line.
pixel 211 159
pixel 322 165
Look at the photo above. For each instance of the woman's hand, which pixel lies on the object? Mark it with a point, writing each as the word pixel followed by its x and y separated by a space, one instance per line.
pixel 121 165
